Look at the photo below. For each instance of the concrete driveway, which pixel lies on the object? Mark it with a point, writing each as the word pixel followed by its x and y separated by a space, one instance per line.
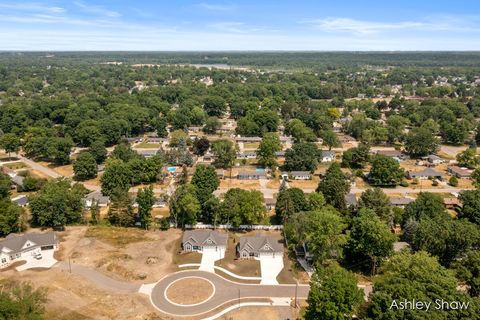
pixel 209 256
pixel 47 260
pixel 270 268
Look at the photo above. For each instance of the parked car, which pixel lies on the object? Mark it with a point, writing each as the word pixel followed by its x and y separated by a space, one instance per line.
pixel 37 255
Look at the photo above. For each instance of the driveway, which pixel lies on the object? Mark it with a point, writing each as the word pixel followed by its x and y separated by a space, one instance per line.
pixel 47 260
pixel 270 268
pixel 209 256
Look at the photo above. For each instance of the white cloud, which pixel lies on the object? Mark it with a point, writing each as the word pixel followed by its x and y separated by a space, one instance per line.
pixel 216 7
pixel 364 27
pixel 32 6
pixel 97 10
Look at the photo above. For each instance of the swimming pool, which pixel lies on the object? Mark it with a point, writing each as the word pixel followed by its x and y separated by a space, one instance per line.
pixel 171 169
pixel 260 169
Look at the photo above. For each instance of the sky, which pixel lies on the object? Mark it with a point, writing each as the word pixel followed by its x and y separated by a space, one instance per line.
pixel 176 25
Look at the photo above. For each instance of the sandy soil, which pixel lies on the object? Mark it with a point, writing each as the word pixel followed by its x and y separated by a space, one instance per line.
pixel 130 255
pixel 189 291
pixel 73 297
pixel 244 184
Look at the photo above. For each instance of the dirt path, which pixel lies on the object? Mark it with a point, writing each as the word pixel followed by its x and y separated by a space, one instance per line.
pixel 99 279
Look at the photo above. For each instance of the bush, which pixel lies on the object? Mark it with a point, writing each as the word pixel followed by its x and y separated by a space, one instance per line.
pixel 453 181
pixel 435 183
pixel 404 183
pixel 164 224
pixel 415 181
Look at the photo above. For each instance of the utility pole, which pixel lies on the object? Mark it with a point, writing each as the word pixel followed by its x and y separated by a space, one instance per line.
pixel 238 297
pixel 69 264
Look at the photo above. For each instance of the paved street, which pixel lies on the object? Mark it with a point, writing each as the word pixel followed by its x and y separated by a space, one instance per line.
pixel 225 291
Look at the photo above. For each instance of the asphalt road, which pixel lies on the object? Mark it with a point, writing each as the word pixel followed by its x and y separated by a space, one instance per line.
pixel 225 291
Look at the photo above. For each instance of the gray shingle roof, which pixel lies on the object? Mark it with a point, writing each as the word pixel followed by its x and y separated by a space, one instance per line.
pixel 15 242
pixel 205 238
pixel 260 244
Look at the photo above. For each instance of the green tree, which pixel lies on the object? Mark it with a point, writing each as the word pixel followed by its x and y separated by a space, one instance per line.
pixel 98 151
pixel 303 156
pixel 334 187
pixel 445 238
pixel 212 124
pixel 290 201
pixel 385 171
pixel 214 106
pixel 10 142
pixel 243 207
pixel 453 181
pixel 57 204
pixel 470 200
pixel 299 131
pixel 330 139
pixel 427 205
pixel 205 181
pixel 10 217
pixel 468 270
pixel 468 158
pixel 224 152
pixel 476 178
pixel 200 146
pixel 145 200
pixel 5 186
pixel 406 276
pixel 269 145
pixel 184 205
pixel 124 152
pixel 117 175
pixel 421 142
pixel 333 294
pixel 315 201
pixel 379 202
pixel 325 234
pixel 21 301
pixel 85 166
pixel 356 158
pixel 370 240
pixel 120 212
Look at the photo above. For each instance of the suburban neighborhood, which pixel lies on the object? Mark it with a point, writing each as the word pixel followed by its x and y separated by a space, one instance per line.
pixel 194 180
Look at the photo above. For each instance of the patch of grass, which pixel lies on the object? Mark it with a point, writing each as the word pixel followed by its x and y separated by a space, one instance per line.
pixel 116 236
pixel 148 145
pixel 247 268
pixel 180 257
pixel 15 165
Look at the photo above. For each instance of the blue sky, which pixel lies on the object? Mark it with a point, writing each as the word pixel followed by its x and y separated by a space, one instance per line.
pixel 240 25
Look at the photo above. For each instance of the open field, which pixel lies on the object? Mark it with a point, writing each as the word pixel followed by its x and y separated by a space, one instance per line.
pixel 126 254
pixel 243 184
pixel 148 145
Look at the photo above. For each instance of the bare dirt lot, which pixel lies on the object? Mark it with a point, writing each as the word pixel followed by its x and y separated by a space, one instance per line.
pixel 264 313
pixel 126 254
pixel 189 291
pixel 130 255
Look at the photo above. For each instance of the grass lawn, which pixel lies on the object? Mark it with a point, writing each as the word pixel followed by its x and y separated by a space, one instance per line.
pixel 248 268
pixel 292 271
pixel 148 145
pixel 251 145
pixel 15 165
pixel 117 236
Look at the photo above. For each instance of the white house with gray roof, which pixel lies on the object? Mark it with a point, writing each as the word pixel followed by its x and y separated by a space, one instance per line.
pixel 251 247
pixel 200 240
pixel 16 247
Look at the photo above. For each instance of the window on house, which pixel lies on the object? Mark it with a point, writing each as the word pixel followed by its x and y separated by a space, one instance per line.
pixel 4 260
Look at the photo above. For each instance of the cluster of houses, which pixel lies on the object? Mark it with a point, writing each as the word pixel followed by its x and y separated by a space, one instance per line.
pixel 249 247
pixel 17 247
